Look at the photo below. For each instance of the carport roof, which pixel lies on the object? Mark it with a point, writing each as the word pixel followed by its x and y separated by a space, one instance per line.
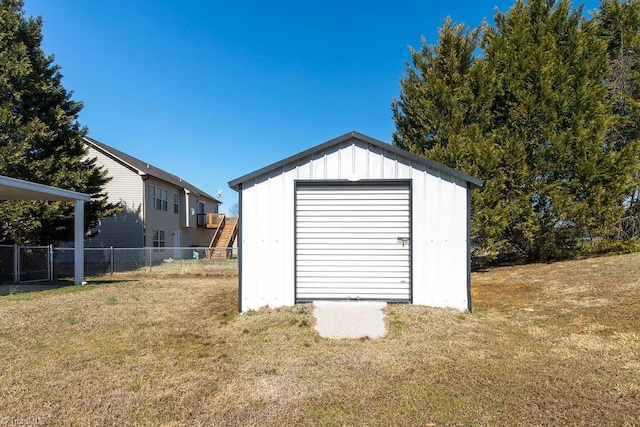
pixel 235 184
pixel 17 189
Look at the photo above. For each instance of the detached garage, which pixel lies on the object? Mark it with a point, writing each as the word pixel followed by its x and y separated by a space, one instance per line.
pixel 354 219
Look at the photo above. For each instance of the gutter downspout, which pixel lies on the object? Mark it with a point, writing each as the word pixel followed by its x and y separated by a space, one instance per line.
pixel 187 209
pixel 145 177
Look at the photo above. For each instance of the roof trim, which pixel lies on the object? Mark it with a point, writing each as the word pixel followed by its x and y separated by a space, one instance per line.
pixel 476 182
pixel 150 171
pixel 103 149
pixel 18 189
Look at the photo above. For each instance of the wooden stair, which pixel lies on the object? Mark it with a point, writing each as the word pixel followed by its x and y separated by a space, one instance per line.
pixel 223 239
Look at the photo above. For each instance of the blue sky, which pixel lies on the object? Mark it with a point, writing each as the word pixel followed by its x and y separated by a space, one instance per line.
pixel 212 90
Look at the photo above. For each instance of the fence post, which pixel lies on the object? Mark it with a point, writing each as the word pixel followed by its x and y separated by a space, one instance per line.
pixel 111 259
pixel 50 262
pixel 149 260
pixel 16 263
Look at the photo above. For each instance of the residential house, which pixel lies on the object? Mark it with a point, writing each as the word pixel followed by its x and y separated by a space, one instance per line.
pixel 160 209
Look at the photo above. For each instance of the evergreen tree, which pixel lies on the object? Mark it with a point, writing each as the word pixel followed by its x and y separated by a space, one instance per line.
pixel 618 24
pixel 438 98
pixel 40 138
pixel 550 116
pixel 529 117
pixel 443 113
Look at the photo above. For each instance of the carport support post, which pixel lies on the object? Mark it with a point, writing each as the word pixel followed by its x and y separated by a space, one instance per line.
pixel 78 252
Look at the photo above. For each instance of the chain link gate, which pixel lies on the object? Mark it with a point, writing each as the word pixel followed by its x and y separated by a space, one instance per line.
pixel 24 264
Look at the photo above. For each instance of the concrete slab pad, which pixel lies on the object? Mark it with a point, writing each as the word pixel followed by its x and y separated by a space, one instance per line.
pixel 350 319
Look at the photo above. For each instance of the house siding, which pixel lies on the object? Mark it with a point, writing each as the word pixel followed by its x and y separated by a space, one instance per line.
pixel 127 228
pixel 169 221
pixel 130 228
pixel 439 224
pixel 197 236
pixel 166 221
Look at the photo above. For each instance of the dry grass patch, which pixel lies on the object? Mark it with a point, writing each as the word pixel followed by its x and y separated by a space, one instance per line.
pixel 547 344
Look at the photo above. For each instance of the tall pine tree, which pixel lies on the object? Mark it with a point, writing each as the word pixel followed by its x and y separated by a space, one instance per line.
pixel 443 114
pixel 40 138
pixel 529 116
pixel 551 110
pixel 618 24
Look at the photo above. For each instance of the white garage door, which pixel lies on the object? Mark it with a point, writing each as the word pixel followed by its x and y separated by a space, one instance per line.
pixel 352 241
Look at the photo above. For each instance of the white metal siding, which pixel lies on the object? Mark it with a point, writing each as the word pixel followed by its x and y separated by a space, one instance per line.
pixel 438 219
pixel 347 241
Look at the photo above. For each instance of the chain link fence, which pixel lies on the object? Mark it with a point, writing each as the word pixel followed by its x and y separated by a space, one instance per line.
pixel 34 264
pixel 7 264
pixel 157 261
pixel 24 264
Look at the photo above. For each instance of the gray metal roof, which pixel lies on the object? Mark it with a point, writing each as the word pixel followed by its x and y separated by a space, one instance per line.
pixel 235 184
pixel 144 168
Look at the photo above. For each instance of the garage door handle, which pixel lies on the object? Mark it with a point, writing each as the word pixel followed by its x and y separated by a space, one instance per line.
pixel 403 240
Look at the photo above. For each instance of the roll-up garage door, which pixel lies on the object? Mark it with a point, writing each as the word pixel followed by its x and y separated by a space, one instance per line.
pixel 353 241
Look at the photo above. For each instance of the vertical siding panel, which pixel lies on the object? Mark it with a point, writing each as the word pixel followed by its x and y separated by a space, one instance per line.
pixel 264 279
pixel 318 168
pixel 250 266
pixel 404 170
pixel 332 165
pixel 447 211
pixel 432 238
pixel 275 243
pixel 346 162
pixel 419 230
pixel 390 170
pixel 304 171
pixel 452 292
pixel 367 167
pixel 288 241
pixel 439 243
pixel 375 168
pixel 447 227
pixel 360 162
pixel 460 292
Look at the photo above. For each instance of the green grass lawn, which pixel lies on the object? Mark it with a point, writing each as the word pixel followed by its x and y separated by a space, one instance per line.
pixel 547 344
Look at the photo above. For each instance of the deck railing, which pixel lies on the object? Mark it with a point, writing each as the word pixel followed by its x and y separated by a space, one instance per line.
pixel 216 235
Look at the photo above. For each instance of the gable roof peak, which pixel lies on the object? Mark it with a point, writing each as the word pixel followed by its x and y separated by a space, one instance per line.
pixel 144 168
pixel 368 140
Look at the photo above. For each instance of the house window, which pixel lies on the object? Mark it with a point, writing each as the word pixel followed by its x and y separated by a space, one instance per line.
pixel 158 198
pixel 176 203
pixel 158 238
pixel 202 216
